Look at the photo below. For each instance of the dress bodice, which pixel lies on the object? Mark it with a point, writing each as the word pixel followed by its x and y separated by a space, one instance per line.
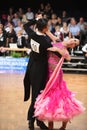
pixel 53 59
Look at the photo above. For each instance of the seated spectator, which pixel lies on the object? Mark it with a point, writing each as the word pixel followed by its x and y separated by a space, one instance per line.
pixel 83 35
pixel 2 41
pixel 3 18
pixel 11 35
pixel 54 18
pixel 58 33
pixel 41 8
pixel 9 20
pixel 74 28
pixel 20 13
pixel 59 21
pixel 64 16
pixel 48 10
pixel 24 19
pixel 51 26
pixel 15 19
pixel 81 23
pixel 18 27
pixel 2 26
pixel 21 41
pixel 65 31
pixel 11 12
pixel 84 49
pixel 29 14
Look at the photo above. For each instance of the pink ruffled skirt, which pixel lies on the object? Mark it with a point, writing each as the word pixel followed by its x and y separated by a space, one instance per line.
pixel 56 102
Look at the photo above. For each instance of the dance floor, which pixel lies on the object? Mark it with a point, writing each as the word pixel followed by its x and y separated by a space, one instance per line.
pixel 13 110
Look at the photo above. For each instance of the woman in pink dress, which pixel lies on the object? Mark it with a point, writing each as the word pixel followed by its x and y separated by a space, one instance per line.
pixel 56 102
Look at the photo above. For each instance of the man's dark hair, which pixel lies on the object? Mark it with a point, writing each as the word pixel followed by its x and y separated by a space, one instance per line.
pixel 41 24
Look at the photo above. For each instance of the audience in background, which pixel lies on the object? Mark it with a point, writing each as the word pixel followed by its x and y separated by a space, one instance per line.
pixel 68 26
pixel 11 35
pixel 2 41
pixel 84 49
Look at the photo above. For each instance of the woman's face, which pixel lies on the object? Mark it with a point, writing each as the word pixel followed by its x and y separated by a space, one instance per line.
pixel 73 43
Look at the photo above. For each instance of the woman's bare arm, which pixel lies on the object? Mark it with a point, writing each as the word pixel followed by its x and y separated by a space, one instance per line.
pixel 64 52
pixel 52 37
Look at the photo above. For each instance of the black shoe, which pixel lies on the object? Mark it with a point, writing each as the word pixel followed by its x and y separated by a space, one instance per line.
pixel 31 125
pixel 42 125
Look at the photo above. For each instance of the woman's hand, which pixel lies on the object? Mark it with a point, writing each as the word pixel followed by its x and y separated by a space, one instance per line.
pixel 54 49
